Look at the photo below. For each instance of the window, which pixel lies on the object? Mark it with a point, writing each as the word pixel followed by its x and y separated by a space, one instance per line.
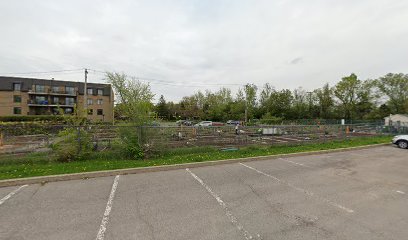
pixel 17 99
pixel 90 91
pixel 56 111
pixel 89 101
pixel 100 112
pixel 69 101
pixel 90 111
pixel 68 110
pixel 17 110
pixel 70 90
pixel 17 86
pixel 55 89
pixel 40 100
pixel 55 100
pixel 100 101
pixel 40 88
pixel 100 92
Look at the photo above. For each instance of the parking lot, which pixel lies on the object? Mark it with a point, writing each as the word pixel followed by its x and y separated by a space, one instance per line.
pixel 361 194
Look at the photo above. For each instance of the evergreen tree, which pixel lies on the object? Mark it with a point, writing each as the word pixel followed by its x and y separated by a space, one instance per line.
pixel 162 108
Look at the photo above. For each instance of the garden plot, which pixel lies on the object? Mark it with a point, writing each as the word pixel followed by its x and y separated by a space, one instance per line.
pixel 24 143
pixel 20 139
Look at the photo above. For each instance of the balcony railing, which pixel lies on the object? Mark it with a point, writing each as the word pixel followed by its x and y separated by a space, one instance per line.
pixel 38 102
pixel 63 92
pixel 37 92
pixel 48 103
pixel 51 92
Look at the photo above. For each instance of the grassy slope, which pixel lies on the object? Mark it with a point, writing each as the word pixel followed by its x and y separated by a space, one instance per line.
pixel 38 164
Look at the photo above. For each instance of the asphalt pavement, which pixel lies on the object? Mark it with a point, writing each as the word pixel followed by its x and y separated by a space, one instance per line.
pixel 361 194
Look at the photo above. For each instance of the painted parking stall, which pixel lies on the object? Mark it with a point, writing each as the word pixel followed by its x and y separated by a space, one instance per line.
pixel 60 210
pixel 360 194
pixel 11 194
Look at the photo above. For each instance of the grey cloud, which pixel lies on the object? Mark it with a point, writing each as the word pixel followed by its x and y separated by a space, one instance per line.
pixel 212 42
pixel 296 60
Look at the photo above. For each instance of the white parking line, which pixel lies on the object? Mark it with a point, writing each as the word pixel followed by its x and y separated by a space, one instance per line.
pixel 11 194
pixel 105 219
pixel 401 192
pixel 296 163
pixel 308 193
pixel 231 217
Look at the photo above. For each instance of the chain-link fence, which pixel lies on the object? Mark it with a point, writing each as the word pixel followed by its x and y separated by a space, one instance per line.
pixel 329 122
pixel 42 137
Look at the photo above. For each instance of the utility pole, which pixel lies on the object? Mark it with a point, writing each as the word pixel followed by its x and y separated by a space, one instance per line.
pixel 86 93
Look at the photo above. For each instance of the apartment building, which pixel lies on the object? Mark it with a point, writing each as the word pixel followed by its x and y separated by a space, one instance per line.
pixel 31 96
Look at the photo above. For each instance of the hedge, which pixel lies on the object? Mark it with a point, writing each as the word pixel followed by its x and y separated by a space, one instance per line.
pixel 34 118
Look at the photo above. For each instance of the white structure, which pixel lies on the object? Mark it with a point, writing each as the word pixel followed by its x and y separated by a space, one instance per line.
pixel 271 131
pixel 397 120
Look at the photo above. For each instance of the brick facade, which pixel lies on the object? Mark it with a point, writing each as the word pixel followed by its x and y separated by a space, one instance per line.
pixel 29 96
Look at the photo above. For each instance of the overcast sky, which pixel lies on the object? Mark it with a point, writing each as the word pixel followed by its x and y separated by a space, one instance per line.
pixel 192 45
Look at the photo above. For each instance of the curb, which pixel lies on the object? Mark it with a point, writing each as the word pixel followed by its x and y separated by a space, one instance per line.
pixel 86 175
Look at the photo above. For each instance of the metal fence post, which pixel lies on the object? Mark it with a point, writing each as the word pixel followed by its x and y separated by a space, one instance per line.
pixel 79 140
pixel 139 135
pixel 48 139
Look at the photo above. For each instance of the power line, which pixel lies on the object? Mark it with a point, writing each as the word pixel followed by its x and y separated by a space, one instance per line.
pixel 186 85
pixel 89 69
pixel 169 83
pixel 44 72
pixel 154 81
pixel 137 77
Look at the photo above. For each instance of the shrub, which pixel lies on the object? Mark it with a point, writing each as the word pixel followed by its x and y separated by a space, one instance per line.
pixel 33 118
pixel 130 142
pixel 28 128
pixel 73 144
pixel 66 153
pixel 270 120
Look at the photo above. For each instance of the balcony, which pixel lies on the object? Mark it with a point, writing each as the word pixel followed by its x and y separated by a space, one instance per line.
pixel 63 93
pixel 53 93
pixel 46 103
pixel 38 92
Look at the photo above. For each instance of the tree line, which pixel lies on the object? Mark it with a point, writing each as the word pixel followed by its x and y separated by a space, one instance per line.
pixel 350 98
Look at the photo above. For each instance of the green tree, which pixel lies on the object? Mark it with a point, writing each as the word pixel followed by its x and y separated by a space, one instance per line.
pixel 301 104
pixel 264 98
pixel 173 109
pixel 217 104
pixel 325 101
pixel 191 107
pixel 120 112
pixel 356 97
pixel 346 92
pixel 162 108
pixel 395 87
pixel 365 104
pixel 237 107
pixel 250 91
pixel 135 98
pixel 277 103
